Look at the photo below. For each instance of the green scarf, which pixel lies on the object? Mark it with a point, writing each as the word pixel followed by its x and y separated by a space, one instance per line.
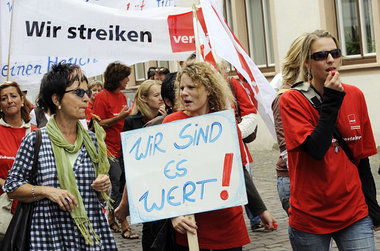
pixel 65 172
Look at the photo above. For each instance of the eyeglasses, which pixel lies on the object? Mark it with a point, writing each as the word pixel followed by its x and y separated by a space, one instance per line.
pixel 80 92
pixel 323 55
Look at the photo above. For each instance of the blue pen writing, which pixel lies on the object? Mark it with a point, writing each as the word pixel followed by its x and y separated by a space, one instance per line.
pixel 181 171
pixel 174 197
pixel 151 145
pixel 192 134
pixel 9 6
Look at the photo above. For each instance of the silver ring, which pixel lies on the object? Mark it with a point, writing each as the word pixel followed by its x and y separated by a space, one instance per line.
pixel 67 199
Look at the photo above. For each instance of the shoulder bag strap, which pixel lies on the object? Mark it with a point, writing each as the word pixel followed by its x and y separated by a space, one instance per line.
pixel 37 145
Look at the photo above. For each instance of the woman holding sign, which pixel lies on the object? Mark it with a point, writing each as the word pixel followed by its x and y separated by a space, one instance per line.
pixel 201 90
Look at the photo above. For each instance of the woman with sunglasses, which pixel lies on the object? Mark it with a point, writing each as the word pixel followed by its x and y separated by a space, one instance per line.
pixel 71 184
pixel 326 194
pixel 14 125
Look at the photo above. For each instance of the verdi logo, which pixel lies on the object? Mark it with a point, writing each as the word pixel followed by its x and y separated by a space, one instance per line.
pixel 181 32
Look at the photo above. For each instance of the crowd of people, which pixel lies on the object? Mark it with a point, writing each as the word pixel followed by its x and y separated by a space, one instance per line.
pixel 324 180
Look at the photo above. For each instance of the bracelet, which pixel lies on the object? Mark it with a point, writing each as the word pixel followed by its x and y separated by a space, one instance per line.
pixel 34 196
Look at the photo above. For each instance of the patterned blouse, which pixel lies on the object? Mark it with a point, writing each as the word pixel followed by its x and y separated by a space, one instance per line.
pixel 52 228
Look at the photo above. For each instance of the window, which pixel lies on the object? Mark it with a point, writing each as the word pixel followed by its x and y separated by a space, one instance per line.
pixel 163 64
pixel 228 13
pixel 260 33
pixel 140 72
pixel 356 30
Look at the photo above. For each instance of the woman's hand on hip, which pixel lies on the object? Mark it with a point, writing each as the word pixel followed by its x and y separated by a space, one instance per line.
pixel 102 183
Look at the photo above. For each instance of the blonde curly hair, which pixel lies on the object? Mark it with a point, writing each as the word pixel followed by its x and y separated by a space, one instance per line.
pixel 202 73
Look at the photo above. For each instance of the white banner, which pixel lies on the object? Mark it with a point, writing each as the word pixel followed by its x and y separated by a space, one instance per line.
pixel 184 167
pixel 27 70
pixel 46 32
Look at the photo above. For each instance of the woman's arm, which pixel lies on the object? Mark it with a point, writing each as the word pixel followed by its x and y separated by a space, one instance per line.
pixel 17 185
pixel 2 181
pixel 29 193
pixel 111 121
pixel 319 141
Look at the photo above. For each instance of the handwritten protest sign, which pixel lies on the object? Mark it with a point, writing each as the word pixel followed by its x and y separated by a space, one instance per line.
pixel 184 167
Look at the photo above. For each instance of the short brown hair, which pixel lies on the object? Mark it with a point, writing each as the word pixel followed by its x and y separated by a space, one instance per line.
pixel 24 108
pixel 115 72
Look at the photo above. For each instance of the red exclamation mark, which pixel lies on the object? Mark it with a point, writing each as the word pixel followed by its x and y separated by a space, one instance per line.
pixel 228 158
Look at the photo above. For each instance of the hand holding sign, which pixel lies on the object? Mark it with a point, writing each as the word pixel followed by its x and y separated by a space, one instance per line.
pixel 182 225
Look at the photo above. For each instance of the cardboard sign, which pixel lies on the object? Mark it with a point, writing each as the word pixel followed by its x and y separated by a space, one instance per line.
pixel 183 167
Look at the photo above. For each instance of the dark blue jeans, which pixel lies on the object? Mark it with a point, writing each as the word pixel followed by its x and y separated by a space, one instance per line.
pixel 358 236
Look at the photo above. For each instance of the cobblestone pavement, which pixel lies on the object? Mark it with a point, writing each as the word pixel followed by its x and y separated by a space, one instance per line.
pixel 264 177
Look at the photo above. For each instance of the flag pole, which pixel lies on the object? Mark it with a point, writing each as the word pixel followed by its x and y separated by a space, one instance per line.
pixel 10 40
pixel 196 34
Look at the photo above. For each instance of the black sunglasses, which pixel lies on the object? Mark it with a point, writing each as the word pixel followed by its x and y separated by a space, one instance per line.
pixel 323 55
pixel 80 92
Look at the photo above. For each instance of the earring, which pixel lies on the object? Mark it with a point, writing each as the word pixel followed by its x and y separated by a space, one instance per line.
pixel 22 105
pixel 59 107
pixel 309 76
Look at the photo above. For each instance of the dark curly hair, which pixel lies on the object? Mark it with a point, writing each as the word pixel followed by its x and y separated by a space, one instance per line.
pixel 56 81
pixel 115 72
pixel 167 90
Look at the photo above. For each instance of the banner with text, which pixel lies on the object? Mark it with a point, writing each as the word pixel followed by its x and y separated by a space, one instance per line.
pixel 47 32
pixel 184 167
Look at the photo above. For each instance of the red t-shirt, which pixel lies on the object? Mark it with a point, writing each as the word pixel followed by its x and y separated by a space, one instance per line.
pixel 108 105
pixel 219 229
pixel 326 195
pixel 10 139
pixel 89 110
